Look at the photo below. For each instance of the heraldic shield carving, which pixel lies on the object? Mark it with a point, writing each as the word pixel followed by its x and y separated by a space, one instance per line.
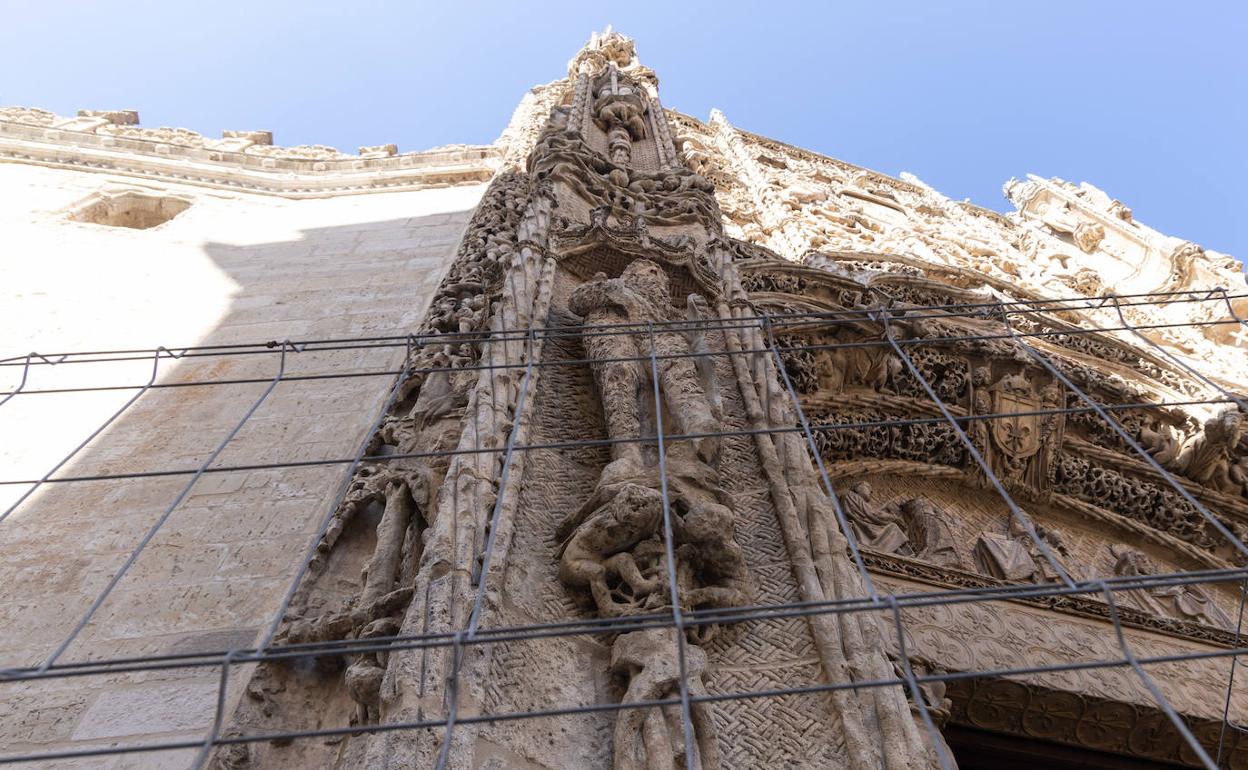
pixel 1017 434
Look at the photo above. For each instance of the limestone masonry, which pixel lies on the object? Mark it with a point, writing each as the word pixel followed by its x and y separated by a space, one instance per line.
pixel 629 441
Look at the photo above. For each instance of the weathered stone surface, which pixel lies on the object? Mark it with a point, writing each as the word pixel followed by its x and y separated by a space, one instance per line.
pixel 604 209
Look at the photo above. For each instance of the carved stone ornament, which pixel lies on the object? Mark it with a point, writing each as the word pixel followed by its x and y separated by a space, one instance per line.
pixel 597 223
pixel 652 738
pixel 614 543
pixel 1182 602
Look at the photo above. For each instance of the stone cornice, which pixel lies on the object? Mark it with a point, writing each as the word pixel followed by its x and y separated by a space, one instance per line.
pixel 236 162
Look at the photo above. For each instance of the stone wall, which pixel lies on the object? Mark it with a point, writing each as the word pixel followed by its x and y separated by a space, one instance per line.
pixel 231 268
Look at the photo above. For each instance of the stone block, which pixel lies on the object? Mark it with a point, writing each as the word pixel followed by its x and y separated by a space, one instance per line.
pixel 146 710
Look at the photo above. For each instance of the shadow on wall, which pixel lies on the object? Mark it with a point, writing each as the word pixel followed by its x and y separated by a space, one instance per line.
pixel 213 574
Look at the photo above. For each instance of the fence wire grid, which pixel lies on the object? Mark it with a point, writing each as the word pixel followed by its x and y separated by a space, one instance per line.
pixel 889 606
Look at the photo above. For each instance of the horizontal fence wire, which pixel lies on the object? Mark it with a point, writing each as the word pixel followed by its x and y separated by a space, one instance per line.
pixel 1058 318
pixel 973 310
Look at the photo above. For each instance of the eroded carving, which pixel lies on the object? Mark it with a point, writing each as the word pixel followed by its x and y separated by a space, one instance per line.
pixel 1210 457
pixel 614 545
pixel 1182 602
pixel 913 527
pixel 652 738
pixel 1015 557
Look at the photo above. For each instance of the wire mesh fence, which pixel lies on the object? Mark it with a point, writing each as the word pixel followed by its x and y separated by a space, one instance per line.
pixel 1098 316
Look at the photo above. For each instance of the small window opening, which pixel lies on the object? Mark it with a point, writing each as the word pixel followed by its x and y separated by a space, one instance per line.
pixel 138 212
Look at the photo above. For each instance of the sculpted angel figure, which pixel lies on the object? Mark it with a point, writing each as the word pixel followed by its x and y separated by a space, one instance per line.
pixel 1209 456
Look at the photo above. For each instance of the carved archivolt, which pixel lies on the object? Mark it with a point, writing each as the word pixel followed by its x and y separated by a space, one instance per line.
pixel 868 409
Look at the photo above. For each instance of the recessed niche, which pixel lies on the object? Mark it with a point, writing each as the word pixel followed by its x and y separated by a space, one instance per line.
pixel 138 212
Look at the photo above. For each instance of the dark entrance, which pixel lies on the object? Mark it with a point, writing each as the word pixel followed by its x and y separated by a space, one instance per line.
pixel 979 750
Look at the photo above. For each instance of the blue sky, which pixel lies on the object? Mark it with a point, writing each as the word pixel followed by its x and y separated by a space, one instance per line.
pixel 1148 100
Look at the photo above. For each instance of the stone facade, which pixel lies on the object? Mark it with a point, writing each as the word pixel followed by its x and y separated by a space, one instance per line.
pixel 865 390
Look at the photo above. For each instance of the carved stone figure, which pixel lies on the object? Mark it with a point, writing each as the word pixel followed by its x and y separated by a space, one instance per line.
pixel 879 528
pixel 1088 235
pixel 617 541
pixel 641 296
pixel 619 111
pixel 653 738
pixel 1239 474
pixel 1015 557
pixel 1040 471
pixel 930 534
pixel 1158 440
pixel 614 546
pixel 1181 602
pixel 871 367
pixel 1208 457
pixel 980 431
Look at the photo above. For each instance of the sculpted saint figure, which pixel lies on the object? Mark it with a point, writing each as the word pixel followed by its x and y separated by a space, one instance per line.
pixel 1015 557
pixel 1182 602
pixel 913 527
pixel 881 529
pixel 930 534
pixel 1041 469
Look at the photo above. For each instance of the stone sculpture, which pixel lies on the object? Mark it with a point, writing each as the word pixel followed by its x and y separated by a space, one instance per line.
pixel 913 527
pixel 1181 602
pixel 641 296
pixel 614 544
pixel 652 738
pixel 752 227
pixel 1015 556
pixel 878 528
pixel 930 533
pixel 1210 455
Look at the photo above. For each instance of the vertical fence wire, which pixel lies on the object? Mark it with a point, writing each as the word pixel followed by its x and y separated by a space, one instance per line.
pixel 669 548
